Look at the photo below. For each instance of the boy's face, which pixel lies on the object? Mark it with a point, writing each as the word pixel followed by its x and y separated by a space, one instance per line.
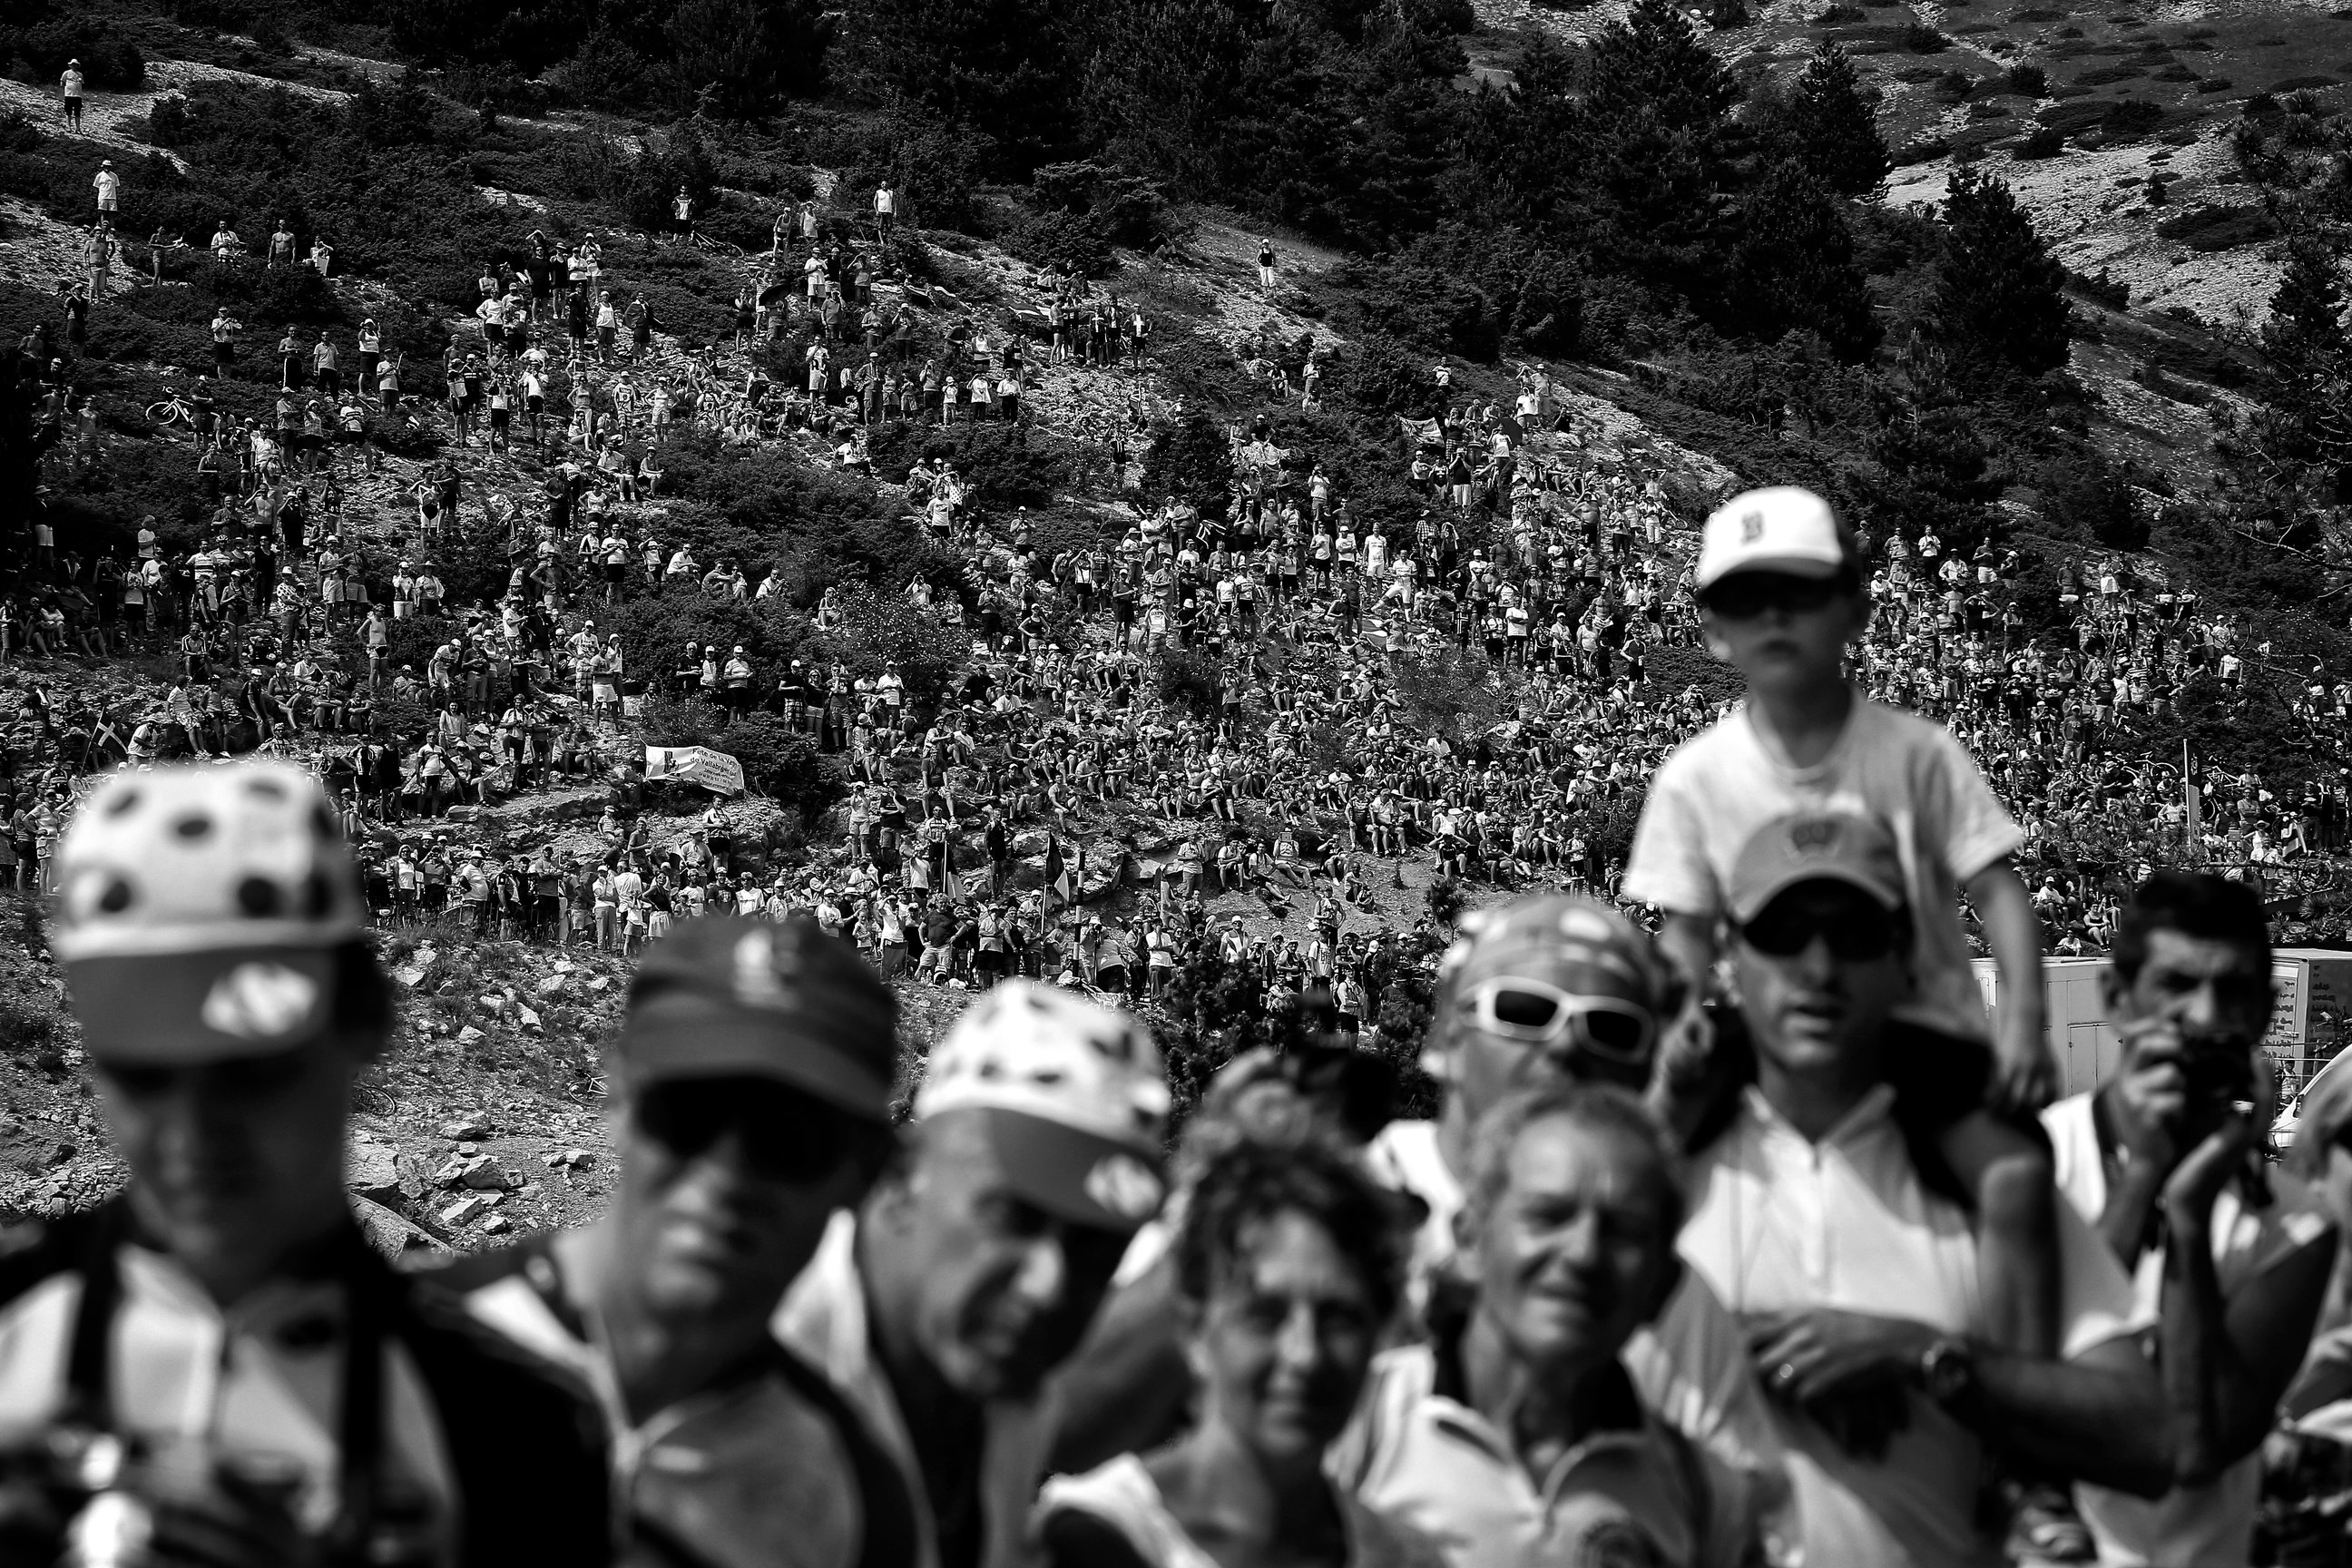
pixel 1775 628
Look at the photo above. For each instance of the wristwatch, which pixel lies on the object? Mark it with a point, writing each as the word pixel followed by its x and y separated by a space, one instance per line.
pixel 1948 1370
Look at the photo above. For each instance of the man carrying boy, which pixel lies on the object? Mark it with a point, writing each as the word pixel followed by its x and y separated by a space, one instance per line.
pixel 1781 598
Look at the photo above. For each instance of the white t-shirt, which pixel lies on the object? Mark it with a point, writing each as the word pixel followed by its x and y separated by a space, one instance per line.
pixel 1719 787
pixel 1779 1223
pixel 2212 1526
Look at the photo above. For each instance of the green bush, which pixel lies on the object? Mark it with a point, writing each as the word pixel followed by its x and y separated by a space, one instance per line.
pixel 110 62
pixel 1062 242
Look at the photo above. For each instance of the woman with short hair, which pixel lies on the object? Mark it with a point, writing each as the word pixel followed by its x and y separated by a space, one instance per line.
pixel 1288 1263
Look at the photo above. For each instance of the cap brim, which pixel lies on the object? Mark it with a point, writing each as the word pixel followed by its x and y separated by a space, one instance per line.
pixel 1074 1176
pixel 188 1008
pixel 1750 905
pixel 700 1037
pixel 1782 565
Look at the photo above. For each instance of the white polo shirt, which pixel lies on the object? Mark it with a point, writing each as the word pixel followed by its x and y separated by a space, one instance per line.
pixel 1691 1365
pixel 1780 1223
pixel 2210 1526
pixel 1633 1491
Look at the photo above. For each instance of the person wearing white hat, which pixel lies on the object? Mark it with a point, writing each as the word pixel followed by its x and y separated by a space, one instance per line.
pixel 976 1264
pixel 70 91
pixel 236 1374
pixel 108 185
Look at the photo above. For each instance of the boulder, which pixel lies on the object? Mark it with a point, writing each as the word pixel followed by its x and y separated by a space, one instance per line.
pixel 409 975
pixel 464 1210
pixel 529 1019
pixel 390 1233
pixel 470 1129
pixel 1029 841
pixel 452 1172
pixel 600 982
pixel 493 1004
pixel 483 1174
pixel 1102 876
pixel 550 986
pixel 498 1223
pixel 470 1036
pixel 372 1171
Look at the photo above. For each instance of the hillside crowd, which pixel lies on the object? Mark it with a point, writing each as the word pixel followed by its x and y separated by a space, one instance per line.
pixel 1802 1268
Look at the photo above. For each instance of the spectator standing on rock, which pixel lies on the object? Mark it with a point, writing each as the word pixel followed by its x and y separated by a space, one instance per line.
pixel 229 1001
pixel 70 93
pixel 944 1302
pixel 752 1081
pixel 1265 265
pixel 108 185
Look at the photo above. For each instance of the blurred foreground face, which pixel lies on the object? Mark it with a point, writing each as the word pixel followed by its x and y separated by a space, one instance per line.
pixel 1578 1250
pixel 234 1163
pixel 1283 1341
pixel 1820 973
pixel 1548 1023
pixel 1006 1288
pixel 727 1185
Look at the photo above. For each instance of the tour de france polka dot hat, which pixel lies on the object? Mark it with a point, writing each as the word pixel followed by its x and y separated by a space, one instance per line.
pixel 1071 1097
pixel 199 912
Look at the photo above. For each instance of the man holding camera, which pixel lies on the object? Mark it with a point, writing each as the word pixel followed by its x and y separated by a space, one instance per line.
pixel 214 1368
pixel 2164 1158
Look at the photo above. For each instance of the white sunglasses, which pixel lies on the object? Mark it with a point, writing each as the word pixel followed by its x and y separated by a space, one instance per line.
pixel 1536 1013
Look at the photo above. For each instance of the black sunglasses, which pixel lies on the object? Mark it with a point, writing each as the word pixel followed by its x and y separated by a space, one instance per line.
pixel 1855 934
pixel 786 1135
pixel 1750 594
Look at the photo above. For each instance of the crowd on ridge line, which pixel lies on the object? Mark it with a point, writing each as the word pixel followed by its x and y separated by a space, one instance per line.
pixel 1603 1307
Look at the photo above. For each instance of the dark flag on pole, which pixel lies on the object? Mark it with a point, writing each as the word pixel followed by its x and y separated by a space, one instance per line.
pixel 1058 878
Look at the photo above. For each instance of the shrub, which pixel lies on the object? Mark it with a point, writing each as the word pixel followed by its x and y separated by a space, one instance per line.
pixel 2219 228
pixel 1922 39
pixel 110 61
pixel 1062 242
pixel 1378 376
pixel 2042 142
pixel 1190 680
pixel 2028 82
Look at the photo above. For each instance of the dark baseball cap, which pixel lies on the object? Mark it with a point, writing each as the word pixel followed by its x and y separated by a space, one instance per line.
pixel 722 996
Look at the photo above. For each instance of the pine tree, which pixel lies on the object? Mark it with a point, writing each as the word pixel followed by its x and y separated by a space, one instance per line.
pixel 1831 130
pixel 2302 426
pixel 996 66
pixel 1653 60
pixel 1998 300
pixel 1655 159
pixel 1794 268
pixel 1192 460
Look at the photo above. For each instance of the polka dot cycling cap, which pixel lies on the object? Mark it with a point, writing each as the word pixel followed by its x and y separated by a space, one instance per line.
pixel 1070 1095
pixel 199 909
